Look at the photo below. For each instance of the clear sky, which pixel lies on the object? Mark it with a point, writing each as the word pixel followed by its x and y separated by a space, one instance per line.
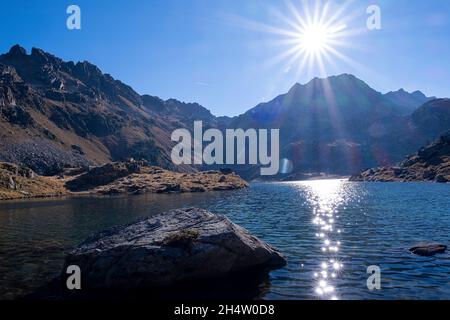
pixel 223 53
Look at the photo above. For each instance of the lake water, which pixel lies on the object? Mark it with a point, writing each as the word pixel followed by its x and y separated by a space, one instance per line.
pixel 330 231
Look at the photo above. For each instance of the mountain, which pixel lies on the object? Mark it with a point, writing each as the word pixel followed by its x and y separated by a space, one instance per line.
pixel 55 113
pixel 409 101
pixel 431 163
pixel 337 125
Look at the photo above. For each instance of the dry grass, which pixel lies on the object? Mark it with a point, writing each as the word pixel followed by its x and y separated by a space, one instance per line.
pixel 150 180
pixel 39 187
pixel 182 238
pixel 157 180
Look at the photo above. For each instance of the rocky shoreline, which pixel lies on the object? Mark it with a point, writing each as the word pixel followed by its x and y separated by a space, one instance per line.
pixel 430 164
pixel 18 182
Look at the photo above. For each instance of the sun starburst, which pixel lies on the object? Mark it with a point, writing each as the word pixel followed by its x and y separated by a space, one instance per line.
pixel 315 37
pixel 311 36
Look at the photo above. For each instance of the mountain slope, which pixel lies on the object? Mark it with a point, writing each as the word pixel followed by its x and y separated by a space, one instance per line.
pixel 336 125
pixel 433 118
pixel 55 114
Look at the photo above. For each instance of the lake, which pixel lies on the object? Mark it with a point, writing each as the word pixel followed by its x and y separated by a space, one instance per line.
pixel 331 231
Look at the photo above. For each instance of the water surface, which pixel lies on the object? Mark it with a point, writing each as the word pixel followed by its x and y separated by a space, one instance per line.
pixel 330 231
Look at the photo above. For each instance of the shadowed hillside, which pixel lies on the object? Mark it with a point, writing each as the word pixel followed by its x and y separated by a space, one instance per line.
pixel 340 125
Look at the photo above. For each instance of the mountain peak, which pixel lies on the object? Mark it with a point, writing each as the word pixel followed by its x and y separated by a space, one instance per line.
pixel 409 101
pixel 17 50
pixel 346 75
pixel 88 69
pixel 345 81
pixel 295 87
pixel 339 77
pixel 36 52
pixel 417 93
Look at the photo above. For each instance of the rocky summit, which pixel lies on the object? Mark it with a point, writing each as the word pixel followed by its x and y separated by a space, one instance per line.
pixel 431 163
pixel 170 248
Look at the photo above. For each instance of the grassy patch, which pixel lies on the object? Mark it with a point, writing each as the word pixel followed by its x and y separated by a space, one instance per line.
pixel 183 238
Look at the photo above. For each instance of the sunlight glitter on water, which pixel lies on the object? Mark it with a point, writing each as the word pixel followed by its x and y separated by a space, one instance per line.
pixel 326 197
pixel 370 226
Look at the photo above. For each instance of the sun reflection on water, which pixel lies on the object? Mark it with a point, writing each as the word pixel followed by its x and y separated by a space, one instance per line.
pixel 326 197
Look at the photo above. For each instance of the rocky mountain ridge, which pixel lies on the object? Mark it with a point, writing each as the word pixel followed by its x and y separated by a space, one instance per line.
pixel 56 114
pixel 340 125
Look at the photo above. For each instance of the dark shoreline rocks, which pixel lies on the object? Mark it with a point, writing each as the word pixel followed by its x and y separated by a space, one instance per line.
pixel 185 245
pixel 430 164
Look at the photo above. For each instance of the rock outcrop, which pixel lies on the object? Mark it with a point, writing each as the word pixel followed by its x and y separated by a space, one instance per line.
pixel 21 182
pixel 431 163
pixel 102 175
pixel 138 177
pixel 168 249
pixel 132 177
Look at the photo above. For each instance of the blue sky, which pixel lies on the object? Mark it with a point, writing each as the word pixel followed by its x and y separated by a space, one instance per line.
pixel 209 51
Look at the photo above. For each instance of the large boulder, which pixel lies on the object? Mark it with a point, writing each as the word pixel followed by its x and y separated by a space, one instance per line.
pixel 168 249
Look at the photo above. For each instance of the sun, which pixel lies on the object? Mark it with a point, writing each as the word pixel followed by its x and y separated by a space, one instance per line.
pixel 314 39
pixel 314 36
pixel 310 36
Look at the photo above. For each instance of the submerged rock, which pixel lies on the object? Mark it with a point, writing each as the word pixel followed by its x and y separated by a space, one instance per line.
pixel 428 249
pixel 171 248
